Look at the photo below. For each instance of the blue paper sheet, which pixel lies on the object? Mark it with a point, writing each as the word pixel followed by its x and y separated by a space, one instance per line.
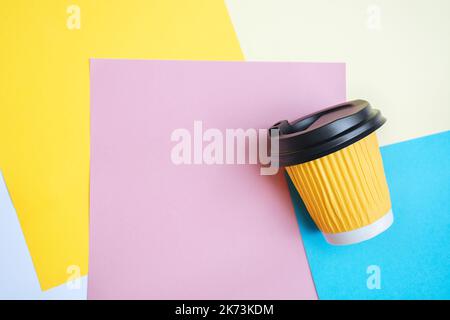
pixel 18 279
pixel 411 260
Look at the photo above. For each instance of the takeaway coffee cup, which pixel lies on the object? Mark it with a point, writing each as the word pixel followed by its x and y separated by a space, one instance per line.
pixel 334 161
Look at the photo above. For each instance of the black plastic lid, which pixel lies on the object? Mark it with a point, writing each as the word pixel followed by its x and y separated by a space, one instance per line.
pixel 326 131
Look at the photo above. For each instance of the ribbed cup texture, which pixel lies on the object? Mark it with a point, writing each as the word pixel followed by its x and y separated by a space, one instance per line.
pixel 344 190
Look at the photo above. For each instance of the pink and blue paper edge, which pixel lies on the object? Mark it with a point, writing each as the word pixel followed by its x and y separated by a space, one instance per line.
pixel 413 255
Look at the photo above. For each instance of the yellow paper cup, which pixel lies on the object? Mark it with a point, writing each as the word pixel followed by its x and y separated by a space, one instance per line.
pixel 334 161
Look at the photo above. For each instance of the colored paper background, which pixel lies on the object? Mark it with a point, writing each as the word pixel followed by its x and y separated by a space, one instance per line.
pixel 414 253
pixel 18 279
pixel 160 230
pixel 44 99
pixel 396 52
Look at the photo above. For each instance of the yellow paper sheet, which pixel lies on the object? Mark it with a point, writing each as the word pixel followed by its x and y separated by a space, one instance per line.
pixel 45 46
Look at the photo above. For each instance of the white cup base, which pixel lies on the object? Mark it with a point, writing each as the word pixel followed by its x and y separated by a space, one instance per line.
pixel 361 234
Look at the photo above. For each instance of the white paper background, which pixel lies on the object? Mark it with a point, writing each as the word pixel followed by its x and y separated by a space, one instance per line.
pixel 18 279
pixel 397 52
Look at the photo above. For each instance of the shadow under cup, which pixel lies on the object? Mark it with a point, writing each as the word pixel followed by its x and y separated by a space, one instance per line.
pixel 334 161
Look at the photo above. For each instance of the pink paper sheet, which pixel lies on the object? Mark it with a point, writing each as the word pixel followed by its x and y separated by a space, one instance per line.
pixel 162 231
